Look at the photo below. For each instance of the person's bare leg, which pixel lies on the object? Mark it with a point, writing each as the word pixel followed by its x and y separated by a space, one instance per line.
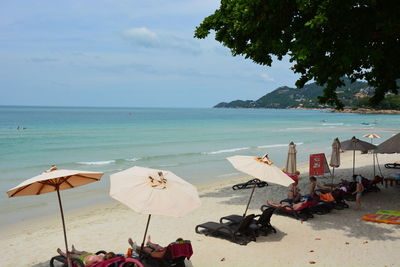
pixel 59 251
pixel 270 203
pixel 78 252
pixel 358 202
pixel 155 246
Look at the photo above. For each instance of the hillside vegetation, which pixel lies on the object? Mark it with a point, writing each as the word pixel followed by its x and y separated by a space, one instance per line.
pixel 353 95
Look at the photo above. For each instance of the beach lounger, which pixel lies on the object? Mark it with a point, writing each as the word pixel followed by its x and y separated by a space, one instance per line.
pixel 250 184
pixel 241 233
pixel 262 221
pixel 392 165
pixel 175 255
pixel 61 261
pixel 302 213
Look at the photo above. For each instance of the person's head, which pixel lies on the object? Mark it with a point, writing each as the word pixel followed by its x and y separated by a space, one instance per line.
pixel 92 259
pixel 355 177
pixel 109 255
pixel 180 239
pixel 313 179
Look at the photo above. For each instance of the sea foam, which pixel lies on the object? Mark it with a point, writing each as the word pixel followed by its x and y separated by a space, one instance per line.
pixel 104 162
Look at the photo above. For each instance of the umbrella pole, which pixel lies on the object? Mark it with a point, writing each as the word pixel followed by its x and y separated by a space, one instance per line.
pixel 373 157
pixel 145 232
pixel 251 196
pixel 333 175
pixel 354 159
pixel 63 223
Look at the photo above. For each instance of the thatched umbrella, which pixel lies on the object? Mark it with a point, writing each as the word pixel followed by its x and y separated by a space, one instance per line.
pixel 356 144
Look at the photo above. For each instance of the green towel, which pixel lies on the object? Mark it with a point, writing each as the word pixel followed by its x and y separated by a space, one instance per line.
pixel 389 212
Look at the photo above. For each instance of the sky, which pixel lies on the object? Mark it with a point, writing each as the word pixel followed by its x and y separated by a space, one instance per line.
pixel 122 53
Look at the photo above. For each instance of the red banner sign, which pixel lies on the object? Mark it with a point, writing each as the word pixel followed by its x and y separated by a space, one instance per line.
pixel 318 164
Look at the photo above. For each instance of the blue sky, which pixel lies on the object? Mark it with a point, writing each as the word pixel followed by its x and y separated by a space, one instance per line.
pixel 122 53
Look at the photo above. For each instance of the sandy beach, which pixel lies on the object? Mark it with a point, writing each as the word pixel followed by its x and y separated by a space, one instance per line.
pixel 337 238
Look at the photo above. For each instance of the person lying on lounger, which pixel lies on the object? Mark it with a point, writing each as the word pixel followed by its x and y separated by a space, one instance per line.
pixel 315 185
pixel 86 257
pixel 153 249
pixel 295 206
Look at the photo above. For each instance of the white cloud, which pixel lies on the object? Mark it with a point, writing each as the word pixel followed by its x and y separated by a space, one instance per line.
pixel 141 36
pixel 266 77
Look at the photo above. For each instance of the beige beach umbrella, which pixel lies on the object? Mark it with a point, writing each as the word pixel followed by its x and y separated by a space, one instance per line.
pixel 335 157
pixel 153 192
pixel 291 159
pixel 54 180
pixel 371 136
pixel 260 168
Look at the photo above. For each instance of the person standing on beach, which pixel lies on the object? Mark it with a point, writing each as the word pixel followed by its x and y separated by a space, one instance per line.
pixel 358 192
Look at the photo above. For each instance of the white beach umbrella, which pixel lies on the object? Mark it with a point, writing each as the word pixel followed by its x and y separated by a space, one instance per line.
pixel 335 157
pixel 260 168
pixel 151 191
pixel 291 159
pixel 54 180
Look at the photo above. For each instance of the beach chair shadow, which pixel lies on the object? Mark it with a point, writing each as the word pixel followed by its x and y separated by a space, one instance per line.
pixel 241 233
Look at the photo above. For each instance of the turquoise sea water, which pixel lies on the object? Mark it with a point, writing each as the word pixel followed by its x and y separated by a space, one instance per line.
pixel 193 143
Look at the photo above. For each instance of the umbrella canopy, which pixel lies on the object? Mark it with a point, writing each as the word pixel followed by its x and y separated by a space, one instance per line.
pixel 291 159
pixel 157 192
pixel 151 191
pixel 263 170
pixel 391 145
pixel 54 180
pixel 371 136
pixel 356 144
pixel 335 157
pixel 260 168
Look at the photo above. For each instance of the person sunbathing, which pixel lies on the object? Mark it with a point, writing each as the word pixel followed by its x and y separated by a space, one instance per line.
pixel 86 257
pixel 295 206
pixel 153 249
pixel 315 185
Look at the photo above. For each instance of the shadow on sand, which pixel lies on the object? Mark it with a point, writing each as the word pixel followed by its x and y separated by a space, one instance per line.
pixel 348 220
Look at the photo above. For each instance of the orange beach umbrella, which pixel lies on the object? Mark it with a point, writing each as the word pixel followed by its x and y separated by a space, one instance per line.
pixel 54 180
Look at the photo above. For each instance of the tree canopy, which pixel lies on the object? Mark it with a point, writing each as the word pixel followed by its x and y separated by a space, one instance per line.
pixel 326 40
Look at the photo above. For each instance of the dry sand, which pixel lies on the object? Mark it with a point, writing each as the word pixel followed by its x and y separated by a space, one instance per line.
pixel 338 238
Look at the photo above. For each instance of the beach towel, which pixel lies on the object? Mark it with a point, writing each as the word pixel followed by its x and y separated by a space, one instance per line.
pixel 389 212
pixel 382 218
pixel 326 197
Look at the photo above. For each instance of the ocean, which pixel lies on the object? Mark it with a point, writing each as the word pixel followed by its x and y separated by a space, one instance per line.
pixel 193 143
